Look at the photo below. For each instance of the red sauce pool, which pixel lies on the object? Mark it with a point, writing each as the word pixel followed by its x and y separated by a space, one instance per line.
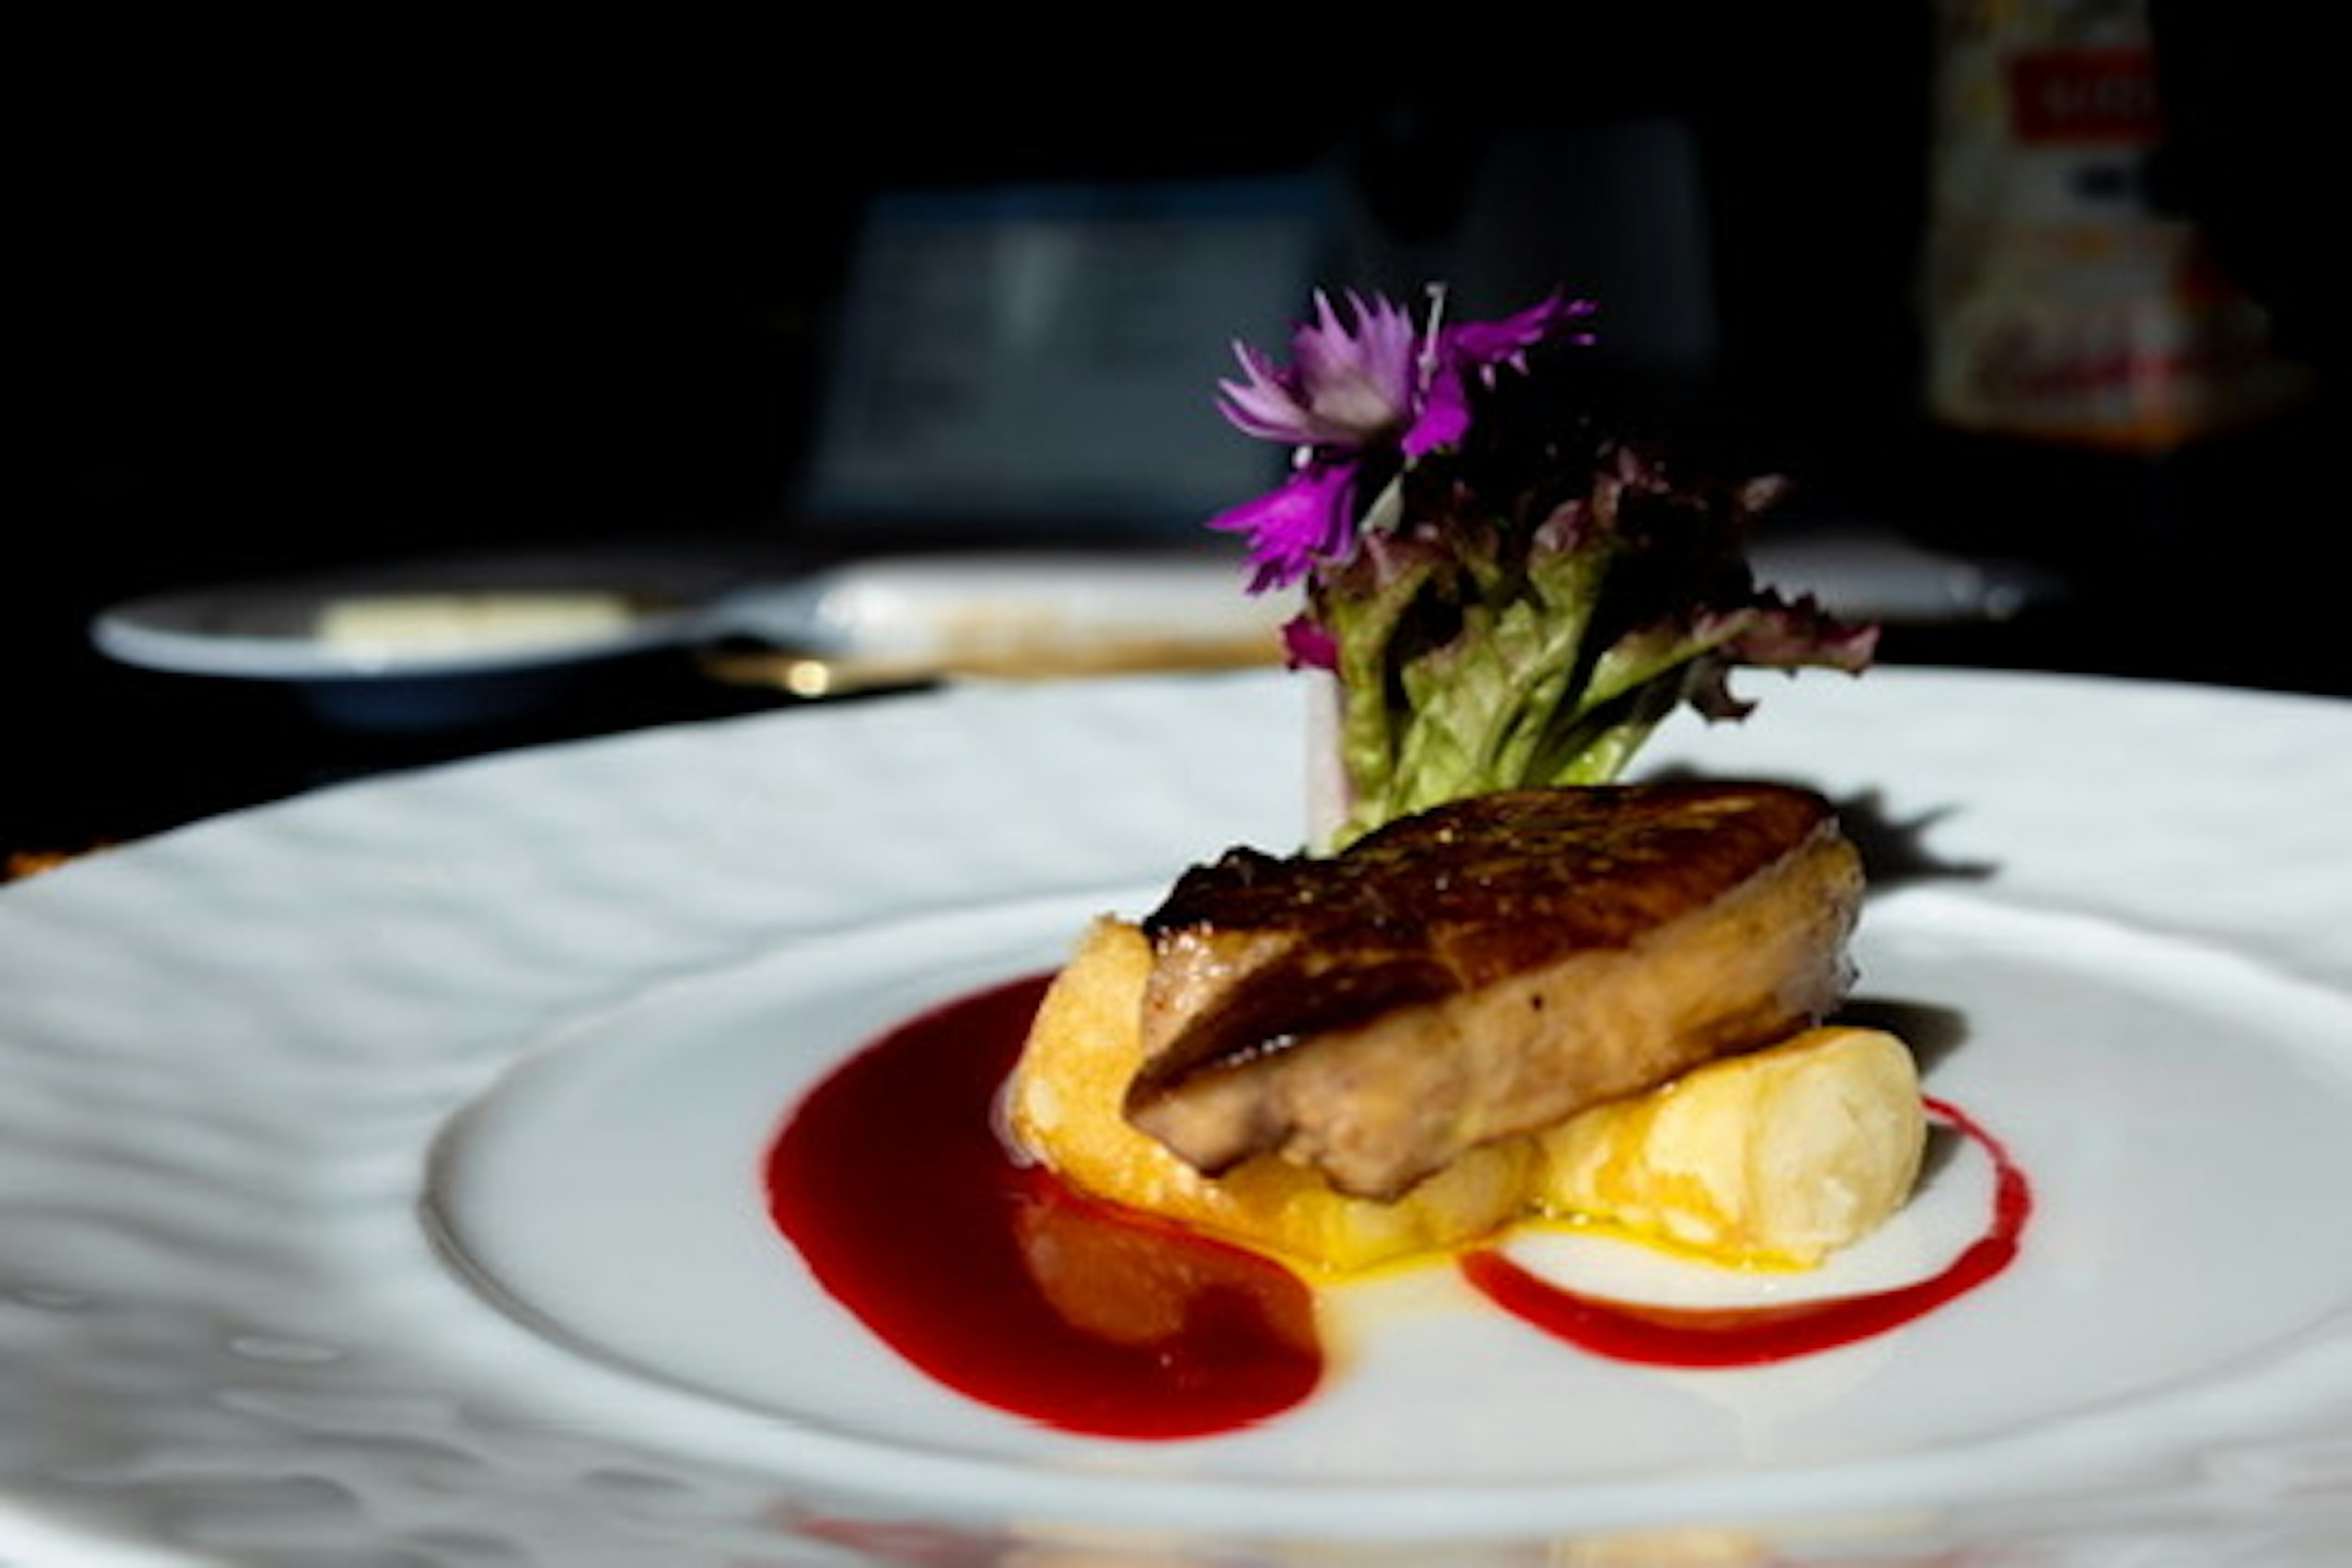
pixel 997 1280
pixel 989 1275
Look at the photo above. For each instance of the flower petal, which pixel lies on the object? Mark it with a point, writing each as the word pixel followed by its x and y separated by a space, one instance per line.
pixel 1482 346
pixel 1360 382
pixel 1307 644
pixel 1306 522
pixel 1442 418
pixel 1265 403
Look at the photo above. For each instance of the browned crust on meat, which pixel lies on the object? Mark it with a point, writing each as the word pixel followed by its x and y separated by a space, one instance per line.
pixel 1664 924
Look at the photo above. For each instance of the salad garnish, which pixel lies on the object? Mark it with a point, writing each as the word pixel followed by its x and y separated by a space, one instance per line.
pixel 1508 591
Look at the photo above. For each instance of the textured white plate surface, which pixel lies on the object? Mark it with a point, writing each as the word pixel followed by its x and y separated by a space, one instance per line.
pixel 554 1001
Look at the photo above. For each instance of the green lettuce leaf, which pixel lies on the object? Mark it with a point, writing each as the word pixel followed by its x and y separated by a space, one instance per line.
pixel 1515 619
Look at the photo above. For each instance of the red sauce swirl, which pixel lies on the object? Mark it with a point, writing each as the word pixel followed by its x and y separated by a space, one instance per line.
pixel 1751 1336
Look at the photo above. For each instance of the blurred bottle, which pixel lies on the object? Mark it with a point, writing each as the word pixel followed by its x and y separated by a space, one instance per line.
pixel 2081 349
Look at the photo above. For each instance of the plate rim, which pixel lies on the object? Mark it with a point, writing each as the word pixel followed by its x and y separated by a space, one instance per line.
pixel 352 820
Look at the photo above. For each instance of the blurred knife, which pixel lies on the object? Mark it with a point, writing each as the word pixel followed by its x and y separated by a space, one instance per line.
pixel 1002 616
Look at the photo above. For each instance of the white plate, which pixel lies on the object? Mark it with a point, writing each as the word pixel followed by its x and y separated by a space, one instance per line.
pixel 456 616
pixel 460 640
pixel 234 1054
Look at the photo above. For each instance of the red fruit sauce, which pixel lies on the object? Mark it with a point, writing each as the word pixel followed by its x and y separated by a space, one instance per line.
pixel 895 1184
pixel 1751 1336
pixel 997 1280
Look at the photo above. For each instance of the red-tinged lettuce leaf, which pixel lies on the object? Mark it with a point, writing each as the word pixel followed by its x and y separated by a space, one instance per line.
pixel 1489 639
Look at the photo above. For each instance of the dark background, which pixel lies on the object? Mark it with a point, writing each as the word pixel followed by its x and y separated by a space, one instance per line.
pixel 349 297
pixel 328 291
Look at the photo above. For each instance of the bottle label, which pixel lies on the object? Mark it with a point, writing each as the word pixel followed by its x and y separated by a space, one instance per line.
pixel 2060 303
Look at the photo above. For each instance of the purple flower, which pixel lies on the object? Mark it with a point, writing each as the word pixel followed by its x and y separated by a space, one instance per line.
pixel 1372 382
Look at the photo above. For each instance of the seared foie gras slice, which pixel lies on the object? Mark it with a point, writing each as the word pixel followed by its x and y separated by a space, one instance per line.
pixel 1484 969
